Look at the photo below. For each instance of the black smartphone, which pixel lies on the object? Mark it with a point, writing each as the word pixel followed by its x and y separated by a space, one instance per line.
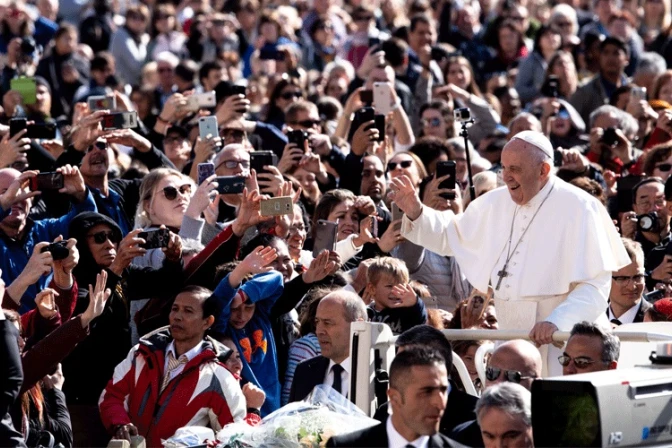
pixel 59 250
pixel 230 184
pixel 366 96
pixel 553 86
pixel 557 158
pixel 155 239
pixel 442 169
pixel 374 41
pixel 52 180
pixel 298 137
pixel 17 125
pixel 438 54
pixel 238 90
pixel 380 125
pixel 260 159
pixel 365 114
pixel 325 236
pixel 654 296
pixel 624 186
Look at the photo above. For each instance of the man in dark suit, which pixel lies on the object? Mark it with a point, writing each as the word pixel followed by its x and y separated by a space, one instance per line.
pixel 462 404
pixel 332 326
pixel 418 394
pixel 626 304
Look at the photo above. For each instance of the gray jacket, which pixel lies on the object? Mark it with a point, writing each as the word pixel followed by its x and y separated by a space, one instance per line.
pixel 531 75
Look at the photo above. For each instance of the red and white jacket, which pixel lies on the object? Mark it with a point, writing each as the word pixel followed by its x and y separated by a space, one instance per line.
pixel 204 394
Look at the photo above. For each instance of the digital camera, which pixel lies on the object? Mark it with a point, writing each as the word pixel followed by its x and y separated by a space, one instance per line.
pixel 648 222
pixel 462 114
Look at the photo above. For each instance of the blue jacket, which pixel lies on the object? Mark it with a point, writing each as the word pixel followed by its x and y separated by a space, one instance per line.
pixel 14 254
pixel 255 342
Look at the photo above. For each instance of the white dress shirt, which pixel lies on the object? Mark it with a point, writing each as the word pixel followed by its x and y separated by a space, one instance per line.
pixel 191 354
pixel 396 440
pixel 629 316
pixel 345 376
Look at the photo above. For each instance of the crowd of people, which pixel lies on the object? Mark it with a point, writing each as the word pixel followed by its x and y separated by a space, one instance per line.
pixel 428 134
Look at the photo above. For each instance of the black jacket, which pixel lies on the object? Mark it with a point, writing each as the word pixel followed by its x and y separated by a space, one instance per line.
pixel 11 378
pixel 460 409
pixel 308 374
pixel 469 434
pixel 641 311
pixel 377 437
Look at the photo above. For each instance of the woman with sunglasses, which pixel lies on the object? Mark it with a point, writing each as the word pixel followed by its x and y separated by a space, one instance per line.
pixel 436 120
pixel 286 91
pixel 658 161
pixel 99 240
pixel 165 32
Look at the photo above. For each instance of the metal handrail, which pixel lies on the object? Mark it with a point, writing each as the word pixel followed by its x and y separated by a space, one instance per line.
pixel 558 336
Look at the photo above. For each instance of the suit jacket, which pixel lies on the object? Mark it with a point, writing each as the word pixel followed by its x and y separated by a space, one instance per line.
pixel 643 307
pixel 308 374
pixel 376 437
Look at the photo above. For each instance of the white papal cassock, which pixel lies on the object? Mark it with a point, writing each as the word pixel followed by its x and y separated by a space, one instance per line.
pixel 560 271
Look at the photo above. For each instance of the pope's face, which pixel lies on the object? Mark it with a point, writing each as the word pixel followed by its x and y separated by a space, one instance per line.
pixel 522 172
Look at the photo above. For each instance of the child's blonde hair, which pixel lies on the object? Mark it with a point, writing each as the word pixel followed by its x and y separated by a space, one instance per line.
pixel 392 267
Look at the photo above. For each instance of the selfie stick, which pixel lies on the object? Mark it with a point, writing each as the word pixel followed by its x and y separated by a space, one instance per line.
pixel 465 134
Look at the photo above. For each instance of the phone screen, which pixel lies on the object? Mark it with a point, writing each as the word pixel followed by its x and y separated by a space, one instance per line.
pixel 442 169
pixel 325 237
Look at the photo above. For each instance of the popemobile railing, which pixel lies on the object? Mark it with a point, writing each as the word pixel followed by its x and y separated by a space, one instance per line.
pixel 372 351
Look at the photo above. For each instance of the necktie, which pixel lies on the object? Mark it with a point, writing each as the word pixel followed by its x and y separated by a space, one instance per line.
pixel 337 369
pixel 409 446
pixel 615 321
pixel 172 365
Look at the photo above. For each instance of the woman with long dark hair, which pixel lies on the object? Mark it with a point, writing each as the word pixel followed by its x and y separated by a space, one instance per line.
pixel 286 91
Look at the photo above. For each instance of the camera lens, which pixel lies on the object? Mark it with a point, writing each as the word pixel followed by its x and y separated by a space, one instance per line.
pixel 27 45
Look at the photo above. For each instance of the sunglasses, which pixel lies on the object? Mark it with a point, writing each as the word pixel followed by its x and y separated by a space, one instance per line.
pixel 393 165
pixel 307 123
pixel 231 164
pixel 664 167
pixel 171 192
pixel 291 95
pixel 512 376
pixel 432 122
pixel 101 237
pixel 581 362
pixel 98 145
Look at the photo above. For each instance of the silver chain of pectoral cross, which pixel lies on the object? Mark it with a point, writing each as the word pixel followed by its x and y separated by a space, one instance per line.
pixel 510 252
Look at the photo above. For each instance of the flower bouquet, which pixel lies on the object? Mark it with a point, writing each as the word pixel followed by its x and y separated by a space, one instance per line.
pixel 304 424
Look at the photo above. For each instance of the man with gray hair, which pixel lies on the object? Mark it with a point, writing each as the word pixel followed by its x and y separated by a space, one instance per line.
pixel 542 285
pixel 335 313
pixel 649 66
pixel 611 133
pixel 504 414
pixel 590 348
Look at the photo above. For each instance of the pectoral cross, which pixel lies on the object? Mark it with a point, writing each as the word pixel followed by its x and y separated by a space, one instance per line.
pixel 501 274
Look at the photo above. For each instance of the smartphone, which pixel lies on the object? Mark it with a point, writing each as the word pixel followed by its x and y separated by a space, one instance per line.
pixel 557 158
pixel 230 184
pixel 282 205
pixel 553 86
pixel 438 54
pixel 624 187
pixel 366 96
pixel 27 88
pixel 260 159
pixel 238 90
pixel 396 215
pixel 271 54
pixel 120 120
pixel 16 125
pixel 205 170
pixel 59 250
pixel 199 101
pixel 654 296
pixel 380 125
pixel 374 41
pixel 442 169
pixel 297 137
pixel 155 239
pixel 207 126
pixel 382 98
pixel 325 236
pixel 374 227
pixel 52 180
pixel 639 93
pixel 102 102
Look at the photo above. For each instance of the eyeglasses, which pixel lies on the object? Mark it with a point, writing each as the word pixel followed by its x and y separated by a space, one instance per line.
pixel 391 166
pixel 664 167
pixel 581 362
pixel 638 278
pixel 101 237
pixel 326 27
pixel 307 123
pixel 291 95
pixel 660 202
pixel 512 376
pixel 170 192
pixel 431 122
pixel 232 164
pixel 169 140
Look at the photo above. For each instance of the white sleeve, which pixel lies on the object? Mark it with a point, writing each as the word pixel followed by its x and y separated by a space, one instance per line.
pixel 585 302
pixel 429 230
pixel 346 248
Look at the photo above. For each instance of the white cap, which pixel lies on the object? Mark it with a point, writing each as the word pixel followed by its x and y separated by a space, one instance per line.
pixel 536 139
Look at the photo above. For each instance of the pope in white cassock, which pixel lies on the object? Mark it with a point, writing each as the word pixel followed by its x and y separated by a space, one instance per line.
pixel 546 247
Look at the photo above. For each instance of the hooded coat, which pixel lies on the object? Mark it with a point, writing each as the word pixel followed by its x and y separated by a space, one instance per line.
pixel 92 363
